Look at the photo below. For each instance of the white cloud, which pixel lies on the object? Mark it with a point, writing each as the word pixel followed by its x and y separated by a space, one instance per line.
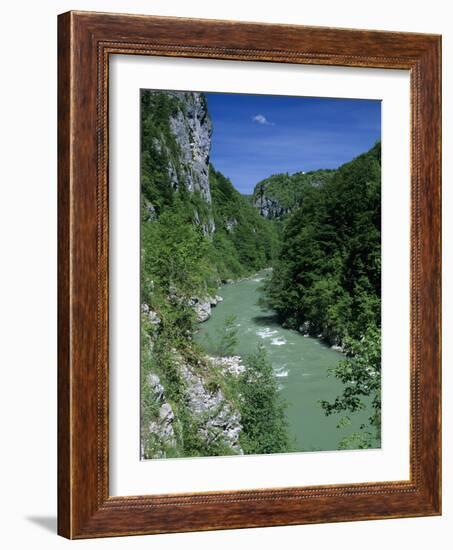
pixel 261 119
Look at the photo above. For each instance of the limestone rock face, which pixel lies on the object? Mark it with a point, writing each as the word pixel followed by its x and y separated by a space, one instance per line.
pixel 305 328
pixel 217 419
pixel 230 224
pixel 192 128
pixel 202 308
pixel 151 315
pixel 161 428
pixel 270 208
pixel 158 389
pixel 280 194
pixel 181 143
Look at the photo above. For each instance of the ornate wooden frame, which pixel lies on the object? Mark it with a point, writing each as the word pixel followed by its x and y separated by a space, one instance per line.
pixel 85 42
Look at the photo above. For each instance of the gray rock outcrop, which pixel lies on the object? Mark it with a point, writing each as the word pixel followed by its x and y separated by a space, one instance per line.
pixel 192 128
pixel 151 315
pixel 269 207
pixel 160 429
pixel 203 306
pixel 229 365
pixel 217 420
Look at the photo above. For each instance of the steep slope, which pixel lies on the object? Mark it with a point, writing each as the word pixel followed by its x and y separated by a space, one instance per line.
pixel 327 278
pixel 176 142
pixel 244 242
pixel 175 146
pixel 197 231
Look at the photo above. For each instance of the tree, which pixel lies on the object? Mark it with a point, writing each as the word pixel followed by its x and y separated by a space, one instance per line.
pixel 174 253
pixel 262 410
pixel 360 373
pixel 227 337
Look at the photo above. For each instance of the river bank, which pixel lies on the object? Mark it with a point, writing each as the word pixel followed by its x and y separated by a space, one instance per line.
pixel 300 363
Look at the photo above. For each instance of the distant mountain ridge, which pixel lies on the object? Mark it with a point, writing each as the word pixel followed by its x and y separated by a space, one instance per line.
pixel 280 194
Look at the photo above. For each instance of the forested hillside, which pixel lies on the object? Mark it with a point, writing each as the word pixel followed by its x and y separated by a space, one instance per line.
pixel 326 281
pixel 197 231
pixel 244 242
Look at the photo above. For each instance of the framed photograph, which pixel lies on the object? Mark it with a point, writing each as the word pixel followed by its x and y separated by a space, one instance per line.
pixel 249 275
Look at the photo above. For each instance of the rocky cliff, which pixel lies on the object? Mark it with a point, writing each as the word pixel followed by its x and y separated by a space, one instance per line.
pixel 269 207
pixel 192 128
pixel 176 142
pixel 215 419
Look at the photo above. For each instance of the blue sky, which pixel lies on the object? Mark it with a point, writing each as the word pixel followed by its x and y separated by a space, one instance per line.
pixel 257 135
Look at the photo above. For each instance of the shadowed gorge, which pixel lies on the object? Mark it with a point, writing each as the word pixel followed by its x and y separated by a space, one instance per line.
pixel 242 297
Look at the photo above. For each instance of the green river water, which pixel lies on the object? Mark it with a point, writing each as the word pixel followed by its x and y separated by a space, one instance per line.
pixel 300 364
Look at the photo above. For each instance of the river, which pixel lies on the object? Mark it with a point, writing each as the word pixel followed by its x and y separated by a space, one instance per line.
pixel 300 364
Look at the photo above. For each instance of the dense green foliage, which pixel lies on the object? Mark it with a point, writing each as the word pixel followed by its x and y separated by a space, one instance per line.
pixel 360 373
pixel 262 410
pixel 327 281
pixel 227 339
pixel 327 277
pixel 244 242
pixel 174 256
pixel 159 149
